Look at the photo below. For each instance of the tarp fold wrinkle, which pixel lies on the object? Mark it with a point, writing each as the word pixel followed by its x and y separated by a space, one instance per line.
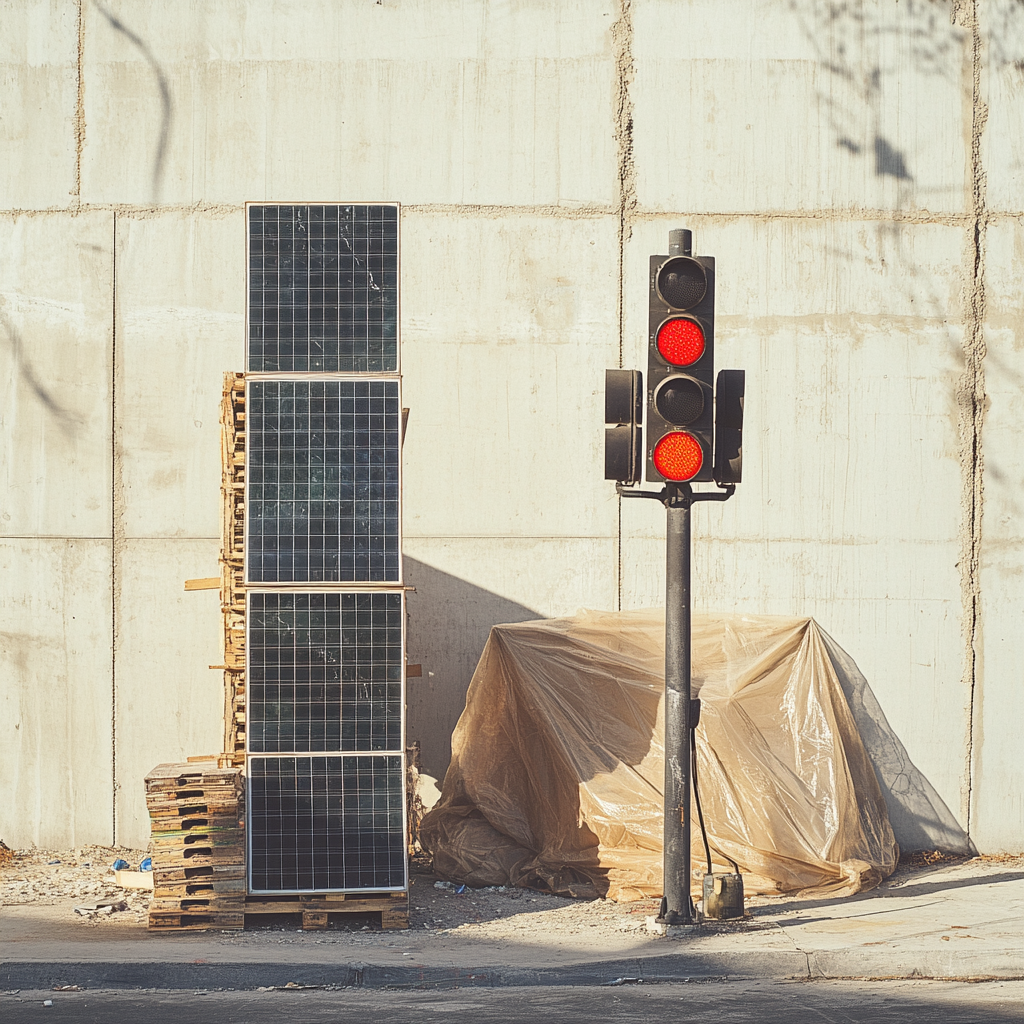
pixel 557 761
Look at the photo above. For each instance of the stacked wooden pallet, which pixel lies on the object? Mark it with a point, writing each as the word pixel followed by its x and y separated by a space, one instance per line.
pixel 196 813
pixel 232 433
pixel 315 909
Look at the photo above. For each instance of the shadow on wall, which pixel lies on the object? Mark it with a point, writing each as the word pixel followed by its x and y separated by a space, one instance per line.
pixel 449 621
pixel 919 818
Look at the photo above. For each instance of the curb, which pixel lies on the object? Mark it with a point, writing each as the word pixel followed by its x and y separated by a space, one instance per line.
pixel 671 967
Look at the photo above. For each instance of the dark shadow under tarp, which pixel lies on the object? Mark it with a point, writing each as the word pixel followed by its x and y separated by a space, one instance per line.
pixel 557 760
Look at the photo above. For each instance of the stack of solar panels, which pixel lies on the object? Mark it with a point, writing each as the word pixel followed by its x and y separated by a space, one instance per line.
pixel 325 645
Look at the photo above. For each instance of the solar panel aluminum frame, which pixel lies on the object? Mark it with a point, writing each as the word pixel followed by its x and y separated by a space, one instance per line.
pixel 340 591
pixel 398 293
pixel 325 584
pixel 249 754
pixel 313 890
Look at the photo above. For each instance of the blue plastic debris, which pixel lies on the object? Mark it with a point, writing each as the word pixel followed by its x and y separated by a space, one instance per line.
pixel 119 865
pixel 461 888
pixel 147 864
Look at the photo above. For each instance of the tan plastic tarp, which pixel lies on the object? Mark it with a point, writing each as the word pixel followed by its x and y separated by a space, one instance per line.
pixel 557 761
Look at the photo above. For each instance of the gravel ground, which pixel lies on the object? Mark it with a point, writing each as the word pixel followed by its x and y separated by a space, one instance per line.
pixel 80 877
pixel 83 876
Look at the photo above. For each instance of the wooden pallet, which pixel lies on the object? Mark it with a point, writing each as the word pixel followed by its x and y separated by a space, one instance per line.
pixel 198 845
pixel 196 921
pixel 393 907
pixel 198 914
pixel 232 557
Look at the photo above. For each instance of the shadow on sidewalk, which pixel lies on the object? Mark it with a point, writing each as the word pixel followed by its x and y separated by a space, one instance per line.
pixel 900 891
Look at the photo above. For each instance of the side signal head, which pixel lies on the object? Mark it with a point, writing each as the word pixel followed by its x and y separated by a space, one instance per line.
pixel 680 341
pixel 678 456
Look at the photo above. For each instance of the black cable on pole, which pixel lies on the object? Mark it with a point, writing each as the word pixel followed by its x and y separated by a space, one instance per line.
pixel 696 797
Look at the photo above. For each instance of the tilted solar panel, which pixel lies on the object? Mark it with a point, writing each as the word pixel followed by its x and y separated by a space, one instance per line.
pixel 322 481
pixel 323 288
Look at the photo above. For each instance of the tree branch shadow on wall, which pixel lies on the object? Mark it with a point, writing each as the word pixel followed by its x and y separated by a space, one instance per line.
pixel 449 621
pixel 920 819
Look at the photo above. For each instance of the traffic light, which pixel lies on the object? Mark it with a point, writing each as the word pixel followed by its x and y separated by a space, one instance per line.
pixel 681 364
pixel 623 435
pixel 729 426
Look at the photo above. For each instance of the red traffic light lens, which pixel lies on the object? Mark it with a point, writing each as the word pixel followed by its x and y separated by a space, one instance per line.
pixel 678 456
pixel 681 341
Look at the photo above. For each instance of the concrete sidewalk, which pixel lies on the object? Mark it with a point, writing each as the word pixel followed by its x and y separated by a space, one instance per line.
pixel 960 921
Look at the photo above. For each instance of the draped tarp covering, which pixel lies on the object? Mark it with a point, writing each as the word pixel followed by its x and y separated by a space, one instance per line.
pixel 557 761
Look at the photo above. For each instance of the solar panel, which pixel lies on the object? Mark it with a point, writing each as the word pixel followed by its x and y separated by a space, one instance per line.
pixel 324 672
pixel 322 481
pixel 323 288
pixel 326 824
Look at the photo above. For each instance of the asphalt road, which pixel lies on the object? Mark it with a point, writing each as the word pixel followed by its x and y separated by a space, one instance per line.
pixel 769 1002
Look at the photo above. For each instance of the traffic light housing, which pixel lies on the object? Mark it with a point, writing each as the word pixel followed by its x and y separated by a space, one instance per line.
pixel 729 392
pixel 623 416
pixel 681 365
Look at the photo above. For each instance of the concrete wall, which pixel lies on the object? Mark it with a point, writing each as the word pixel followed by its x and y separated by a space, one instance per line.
pixel 857 170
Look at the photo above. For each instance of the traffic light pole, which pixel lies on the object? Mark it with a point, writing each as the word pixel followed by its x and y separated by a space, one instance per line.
pixel 681 711
pixel 677 907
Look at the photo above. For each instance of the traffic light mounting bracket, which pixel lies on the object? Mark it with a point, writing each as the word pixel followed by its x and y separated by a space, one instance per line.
pixel 674 495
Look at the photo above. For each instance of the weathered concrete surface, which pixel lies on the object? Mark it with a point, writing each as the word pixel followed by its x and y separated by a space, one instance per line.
pixel 856 170
pixel 55 518
pixel 180 303
pixel 823 107
pixel 56 750
pixel 169 703
pixel 38 97
pixel 998 771
pixel 509 325
pixel 56 288
pixel 430 102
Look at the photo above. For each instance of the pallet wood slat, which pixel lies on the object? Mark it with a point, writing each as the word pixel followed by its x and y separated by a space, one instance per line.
pixel 197 922
pixel 199 889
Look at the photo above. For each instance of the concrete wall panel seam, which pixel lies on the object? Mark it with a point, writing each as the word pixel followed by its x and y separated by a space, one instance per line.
pixel 640 214
pixel 971 400
pixel 79 108
pixel 625 71
pixel 116 535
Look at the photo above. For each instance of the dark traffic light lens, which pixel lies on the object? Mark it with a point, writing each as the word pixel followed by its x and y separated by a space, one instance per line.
pixel 681 341
pixel 678 456
pixel 681 282
pixel 679 400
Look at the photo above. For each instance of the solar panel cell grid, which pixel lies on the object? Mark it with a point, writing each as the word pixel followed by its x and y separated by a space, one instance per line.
pixel 323 288
pixel 322 481
pixel 322 824
pixel 325 672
